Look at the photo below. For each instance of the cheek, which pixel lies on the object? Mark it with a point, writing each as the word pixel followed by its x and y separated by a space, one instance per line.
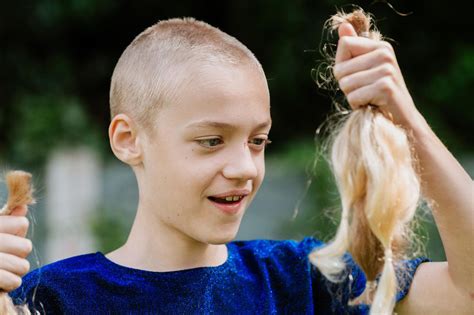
pixel 190 174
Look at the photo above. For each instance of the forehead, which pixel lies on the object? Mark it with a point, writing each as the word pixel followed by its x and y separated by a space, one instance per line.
pixel 232 95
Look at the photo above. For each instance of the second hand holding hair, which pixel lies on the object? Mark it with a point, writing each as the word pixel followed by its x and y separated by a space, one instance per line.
pixel 20 195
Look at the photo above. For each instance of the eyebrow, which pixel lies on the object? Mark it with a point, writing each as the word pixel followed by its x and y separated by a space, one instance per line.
pixel 223 125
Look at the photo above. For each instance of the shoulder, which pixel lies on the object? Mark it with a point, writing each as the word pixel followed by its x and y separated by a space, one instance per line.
pixel 48 281
pixel 63 268
pixel 275 258
pixel 276 249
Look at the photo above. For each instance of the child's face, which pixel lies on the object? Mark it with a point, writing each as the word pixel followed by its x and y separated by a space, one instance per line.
pixel 207 146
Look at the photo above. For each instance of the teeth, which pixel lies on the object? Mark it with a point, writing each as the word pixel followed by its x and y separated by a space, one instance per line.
pixel 232 198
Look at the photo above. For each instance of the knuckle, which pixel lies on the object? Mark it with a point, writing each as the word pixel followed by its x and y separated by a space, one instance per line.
pixel 386 85
pixel 336 70
pixel 352 99
pixel 23 248
pixel 24 267
pixel 28 246
pixel 386 55
pixel 388 46
pixel 343 41
pixel 24 223
pixel 14 264
pixel 343 84
pixel 387 69
pixel 9 281
pixel 15 282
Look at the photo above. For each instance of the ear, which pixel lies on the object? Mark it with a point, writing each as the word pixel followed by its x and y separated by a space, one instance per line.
pixel 124 140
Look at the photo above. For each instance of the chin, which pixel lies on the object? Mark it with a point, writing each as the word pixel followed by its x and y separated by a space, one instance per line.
pixel 223 238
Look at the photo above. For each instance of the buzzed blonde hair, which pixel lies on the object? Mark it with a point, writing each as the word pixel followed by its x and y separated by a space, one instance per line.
pixel 157 63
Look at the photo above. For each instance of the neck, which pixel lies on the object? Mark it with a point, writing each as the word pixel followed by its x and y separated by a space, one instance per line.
pixel 154 246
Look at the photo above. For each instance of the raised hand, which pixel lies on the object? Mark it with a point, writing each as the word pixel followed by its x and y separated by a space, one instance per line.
pixel 368 73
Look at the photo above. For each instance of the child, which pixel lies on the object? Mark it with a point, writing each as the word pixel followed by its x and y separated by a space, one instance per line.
pixel 191 116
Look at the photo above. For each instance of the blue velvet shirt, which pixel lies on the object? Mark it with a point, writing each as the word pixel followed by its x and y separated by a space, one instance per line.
pixel 259 277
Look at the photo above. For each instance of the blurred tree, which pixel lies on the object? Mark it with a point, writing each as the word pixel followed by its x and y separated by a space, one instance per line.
pixel 70 48
pixel 114 235
pixel 43 122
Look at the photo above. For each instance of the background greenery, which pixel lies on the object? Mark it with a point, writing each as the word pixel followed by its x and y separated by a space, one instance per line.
pixel 57 58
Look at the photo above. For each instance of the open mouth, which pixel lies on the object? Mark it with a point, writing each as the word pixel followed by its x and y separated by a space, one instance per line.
pixel 229 200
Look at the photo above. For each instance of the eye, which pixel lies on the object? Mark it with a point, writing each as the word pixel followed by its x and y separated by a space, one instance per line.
pixel 259 143
pixel 210 142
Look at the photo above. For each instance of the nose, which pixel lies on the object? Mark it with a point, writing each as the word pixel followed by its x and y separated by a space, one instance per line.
pixel 241 164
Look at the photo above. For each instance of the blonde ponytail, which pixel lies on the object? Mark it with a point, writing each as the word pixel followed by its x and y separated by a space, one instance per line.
pixel 379 187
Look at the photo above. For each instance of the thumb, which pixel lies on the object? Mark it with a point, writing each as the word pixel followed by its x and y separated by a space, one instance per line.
pixel 346 29
pixel 20 211
pixel 343 51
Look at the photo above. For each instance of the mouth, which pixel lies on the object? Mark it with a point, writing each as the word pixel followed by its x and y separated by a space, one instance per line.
pixel 230 202
pixel 227 200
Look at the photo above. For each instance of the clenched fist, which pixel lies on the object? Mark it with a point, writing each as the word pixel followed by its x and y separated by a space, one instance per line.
pixel 368 73
pixel 14 248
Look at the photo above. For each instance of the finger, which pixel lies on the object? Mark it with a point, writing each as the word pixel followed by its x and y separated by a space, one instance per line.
pixel 15 245
pixel 14 264
pixel 365 62
pixel 354 81
pixel 20 211
pixel 349 47
pixel 373 94
pixel 344 30
pixel 14 225
pixel 9 281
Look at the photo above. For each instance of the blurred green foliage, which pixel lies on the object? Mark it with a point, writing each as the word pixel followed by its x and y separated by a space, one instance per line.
pixel 110 230
pixel 65 51
pixel 450 95
pixel 44 122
